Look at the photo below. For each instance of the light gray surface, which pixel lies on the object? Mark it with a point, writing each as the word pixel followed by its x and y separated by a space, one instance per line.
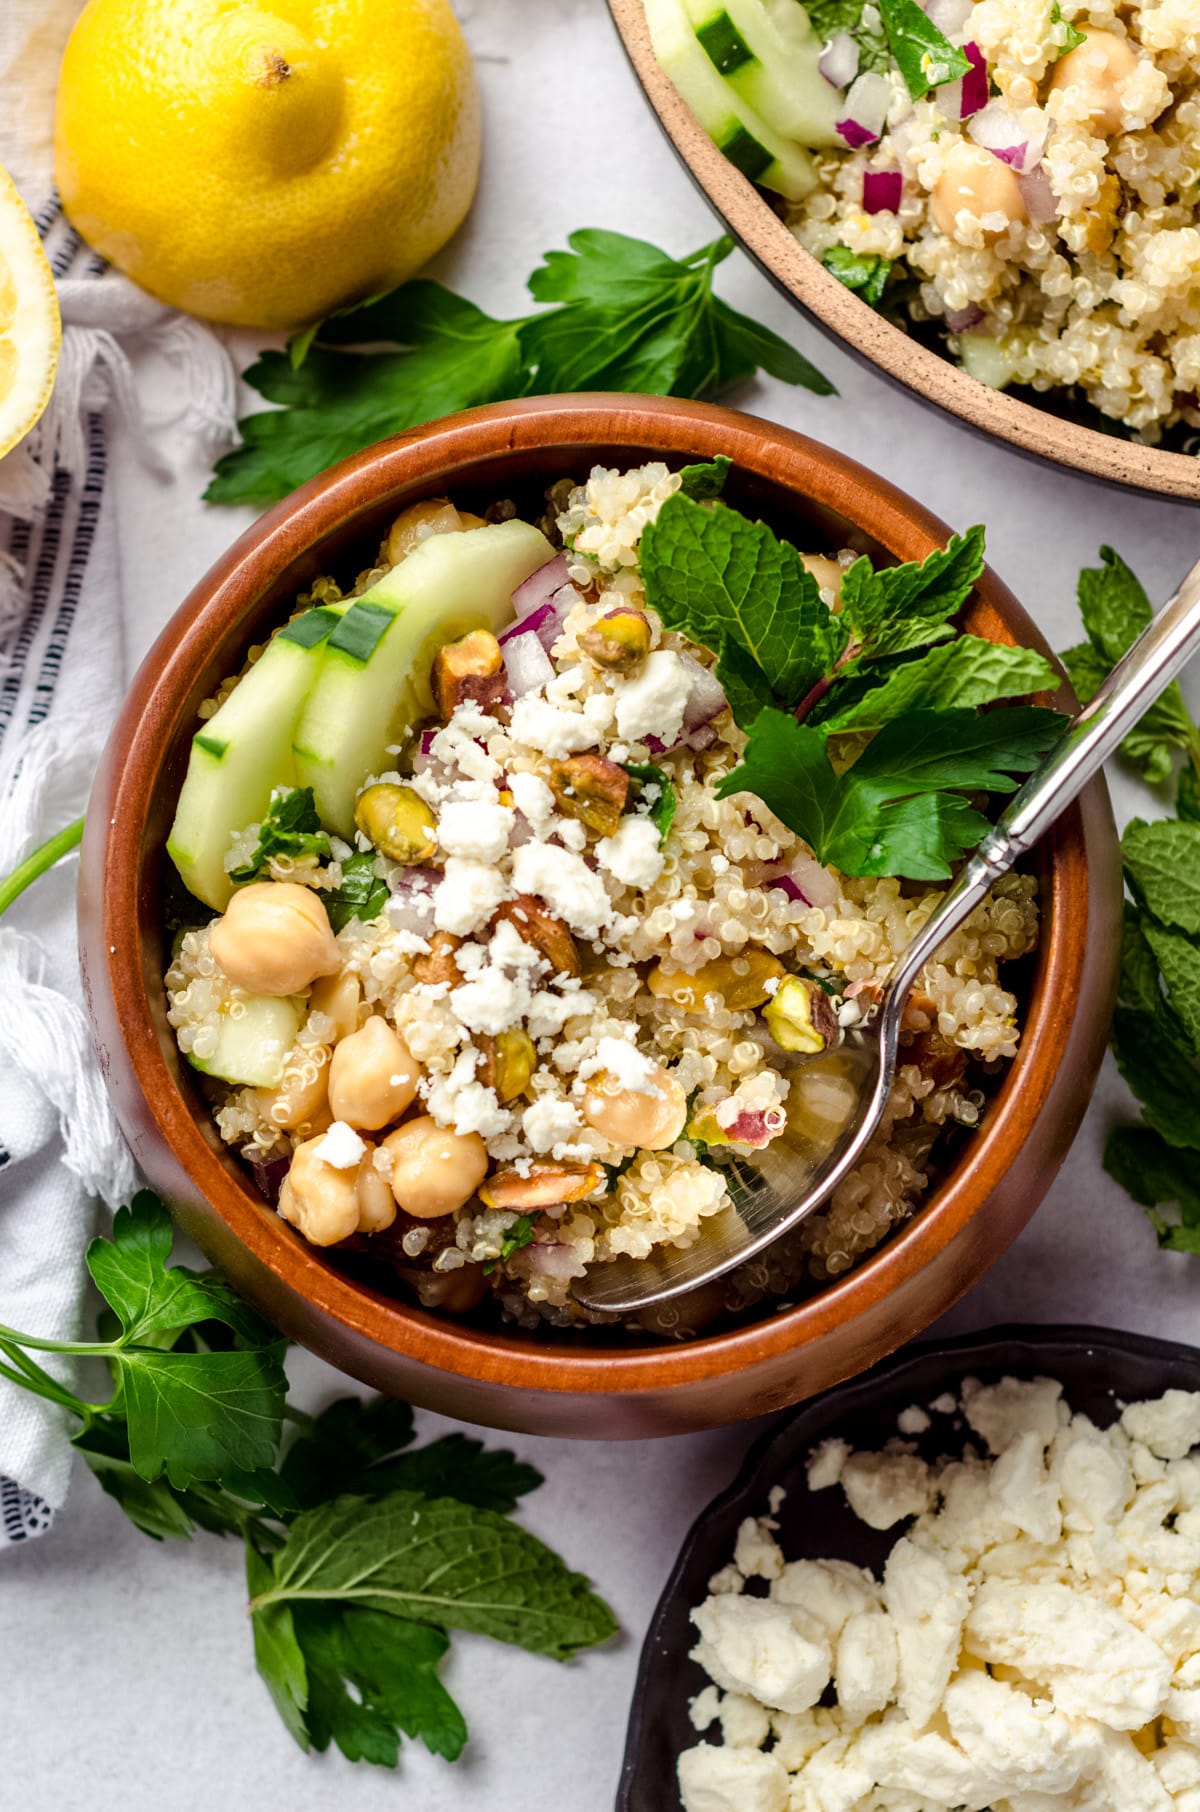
pixel 126 1682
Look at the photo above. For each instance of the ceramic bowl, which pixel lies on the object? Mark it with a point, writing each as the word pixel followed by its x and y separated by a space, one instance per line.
pixel 584 1384
pixel 1099 1370
pixel 933 379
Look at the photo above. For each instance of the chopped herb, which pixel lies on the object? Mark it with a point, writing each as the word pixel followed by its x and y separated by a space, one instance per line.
pixel 828 17
pixel 620 315
pixel 291 828
pixel 707 480
pixel 662 807
pixel 866 273
pixel 361 895
pixel 924 56
pixel 518 1235
pixel 1072 38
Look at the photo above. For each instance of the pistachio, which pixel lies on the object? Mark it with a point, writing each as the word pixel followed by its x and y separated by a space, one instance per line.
pixel 591 789
pixel 470 670
pixel 398 822
pixel 509 1060
pixel 801 1017
pixel 743 982
pixel 532 922
pixel 619 641
pixel 544 1186
pixel 944 1063
pixel 438 965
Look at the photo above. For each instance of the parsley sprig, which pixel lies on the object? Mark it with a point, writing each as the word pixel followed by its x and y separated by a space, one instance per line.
pixel 290 828
pixel 802 680
pixel 617 314
pixel 361 1550
pixel 1156 1027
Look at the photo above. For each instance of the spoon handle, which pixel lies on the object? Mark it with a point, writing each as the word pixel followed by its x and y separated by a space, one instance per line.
pixel 1141 676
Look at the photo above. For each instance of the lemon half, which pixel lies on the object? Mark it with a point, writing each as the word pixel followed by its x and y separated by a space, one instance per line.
pixel 30 327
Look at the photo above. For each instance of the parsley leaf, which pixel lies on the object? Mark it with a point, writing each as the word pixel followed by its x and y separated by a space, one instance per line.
pixel 866 273
pixel 368 1678
pixel 622 315
pixel 290 828
pixel 195 1415
pixel 361 895
pixel 828 17
pixel 1072 38
pixel 665 801
pixel 432 1560
pixel 899 809
pixel 924 56
pixel 130 1270
pixel 734 587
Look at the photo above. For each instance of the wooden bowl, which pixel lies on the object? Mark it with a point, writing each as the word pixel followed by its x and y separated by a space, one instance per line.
pixel 863 332
pixel 585 1384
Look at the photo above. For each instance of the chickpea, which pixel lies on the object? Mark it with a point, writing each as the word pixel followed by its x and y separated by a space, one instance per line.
pixel 434 516
pixel 434 1170
pixel 376 1203
pixel 373 1076
pixel 319 1200
pixel 828 575
pixel 274 938
pixel 628 1117
pixel 1098 70
pixel 299 1100
pixel 976 183
pixel 337 996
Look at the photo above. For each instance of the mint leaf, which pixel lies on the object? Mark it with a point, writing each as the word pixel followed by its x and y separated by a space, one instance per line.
pixel 290 828
pixel 659 792
pixel 371 1677
pixel 896 608
pixel 865 273
pixel 966 672
pixel 625 316
pixel 195 1415
pixel 732 585
pixel 277 1653
pixel 1151 1171
pixel 1113 605
pixel 1187 794
pixel 873 819
pixel 706 480
pixel 361 894
pixel 431 1560
pixel 1140 984
pixel 1116 610
pixel 831 16
pixel 1159 1071
pixel 130 1270
pixel 924 56
pixel 1179 960
pixel 1162 862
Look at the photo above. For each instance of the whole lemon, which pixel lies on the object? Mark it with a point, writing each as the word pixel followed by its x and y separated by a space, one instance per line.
pixel 265 164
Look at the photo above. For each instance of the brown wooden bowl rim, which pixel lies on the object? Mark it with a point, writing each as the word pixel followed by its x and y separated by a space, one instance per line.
pixel 926 373
pixel 424 462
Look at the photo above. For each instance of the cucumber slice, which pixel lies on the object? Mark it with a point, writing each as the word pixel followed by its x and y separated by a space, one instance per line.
pixel 731 122
pixel 375 679
pixel 252 1046
pixel 767 51
pixel 244 752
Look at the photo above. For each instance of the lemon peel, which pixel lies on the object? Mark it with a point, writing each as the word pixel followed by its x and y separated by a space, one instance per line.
pixel 30 326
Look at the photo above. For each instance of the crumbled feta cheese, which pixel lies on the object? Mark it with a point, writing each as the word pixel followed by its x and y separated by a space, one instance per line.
pixel 491 1003
pixel 468 827
pixel 757 1554
pixel 1019 1740
pixel 342 1147
pixel 621 1059
pixel 467 895
pixel 549 1012
pixel 884 1488
pixel 1170 1427
pixel 532 798
pixel 825 1464
pixel 652 702
pixel 1000 1412
pixel 914 1420
pixel 752 1645
pixel 829 1590
pixel 632 855
pixel 553 731
pixel 565 882
pixel 865 1664
pixel 927 1604
pixel 731 1780
pixel 548 1121
pixel 1021 1487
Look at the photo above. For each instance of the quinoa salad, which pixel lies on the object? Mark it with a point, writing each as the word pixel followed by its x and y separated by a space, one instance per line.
pixel 498 1001
pixel 1017 177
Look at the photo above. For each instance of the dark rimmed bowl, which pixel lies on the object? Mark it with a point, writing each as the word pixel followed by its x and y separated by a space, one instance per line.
pixel 873 340
pixel 582 1384
pixel 1098 1368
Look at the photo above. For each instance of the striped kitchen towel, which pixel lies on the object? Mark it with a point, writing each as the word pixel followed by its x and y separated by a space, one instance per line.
pixel 62 672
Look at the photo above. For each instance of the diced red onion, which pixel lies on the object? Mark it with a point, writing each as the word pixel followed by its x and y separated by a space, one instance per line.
pixel 548 1258
pixel 268 1178
pixel 961 320
pixel 527 664
pixel 997 129
pixel 948 15
pixel 969 95
pixel 540 585
pixel 838 62
pixel 706 698
pixel 1041 203
pixel 410 907
pixel 882 191
pixel 805 880
pixel 786 885
pixel 866 111
pixel 426 745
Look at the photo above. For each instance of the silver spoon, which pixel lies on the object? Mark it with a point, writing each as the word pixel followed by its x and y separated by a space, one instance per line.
pixel 771 1191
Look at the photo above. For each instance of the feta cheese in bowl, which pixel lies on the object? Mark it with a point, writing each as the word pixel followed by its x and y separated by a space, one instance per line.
pixel 442 975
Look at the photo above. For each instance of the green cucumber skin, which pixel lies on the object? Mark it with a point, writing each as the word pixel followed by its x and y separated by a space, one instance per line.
pixel 451 584
pixel 240 756
pixel 251 1050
